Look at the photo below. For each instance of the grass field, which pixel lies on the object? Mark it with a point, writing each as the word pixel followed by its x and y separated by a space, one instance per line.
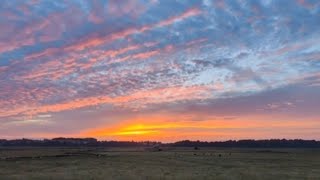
pixel 178 163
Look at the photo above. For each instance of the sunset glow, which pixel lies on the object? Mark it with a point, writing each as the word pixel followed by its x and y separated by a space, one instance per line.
pixel 160 70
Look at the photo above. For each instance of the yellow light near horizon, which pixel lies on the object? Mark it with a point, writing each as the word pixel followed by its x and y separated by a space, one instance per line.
pixel 138 132
pixel 167 128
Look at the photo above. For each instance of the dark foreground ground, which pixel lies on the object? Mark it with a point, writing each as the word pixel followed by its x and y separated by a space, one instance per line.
pixel 178 163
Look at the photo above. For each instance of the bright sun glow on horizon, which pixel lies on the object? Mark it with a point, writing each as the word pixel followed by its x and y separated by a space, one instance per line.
pixel 162 70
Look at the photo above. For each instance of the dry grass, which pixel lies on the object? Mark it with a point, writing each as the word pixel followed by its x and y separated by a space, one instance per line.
pixel 183 163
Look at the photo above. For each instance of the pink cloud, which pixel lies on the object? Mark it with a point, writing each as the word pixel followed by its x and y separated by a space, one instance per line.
pixel 307 4
pixel 219 4
pixel 96 41
pixel 136 100
pixel 189 13
pixel 125 7
pixel 96 15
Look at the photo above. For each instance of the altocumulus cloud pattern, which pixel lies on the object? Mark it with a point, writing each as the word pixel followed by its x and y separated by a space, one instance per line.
pixel 203 69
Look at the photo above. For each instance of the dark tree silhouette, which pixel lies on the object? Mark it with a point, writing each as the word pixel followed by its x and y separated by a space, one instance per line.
pixel 272 143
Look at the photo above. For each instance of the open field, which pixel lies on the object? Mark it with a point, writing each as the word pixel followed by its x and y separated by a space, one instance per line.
pixel 175 163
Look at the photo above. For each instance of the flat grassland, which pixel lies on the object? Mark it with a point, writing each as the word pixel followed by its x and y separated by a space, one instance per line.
pixel 170 163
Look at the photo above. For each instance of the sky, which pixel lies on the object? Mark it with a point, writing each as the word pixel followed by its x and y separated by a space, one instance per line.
pixel 163 70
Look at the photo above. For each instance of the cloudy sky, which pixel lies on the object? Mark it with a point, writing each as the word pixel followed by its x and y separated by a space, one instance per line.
pixel 160 69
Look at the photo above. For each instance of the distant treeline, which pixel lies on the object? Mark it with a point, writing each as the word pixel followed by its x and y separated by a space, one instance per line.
pixel 73 142
pixel 272 143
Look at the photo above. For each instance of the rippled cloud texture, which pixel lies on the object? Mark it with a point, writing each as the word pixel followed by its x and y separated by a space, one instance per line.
pixel 160 69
